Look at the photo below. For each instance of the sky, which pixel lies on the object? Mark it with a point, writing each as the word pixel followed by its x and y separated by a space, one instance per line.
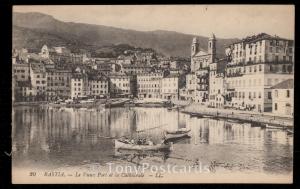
pixel 225 21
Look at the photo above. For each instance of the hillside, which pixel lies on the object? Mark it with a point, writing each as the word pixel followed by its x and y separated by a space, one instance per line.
pixel 34 29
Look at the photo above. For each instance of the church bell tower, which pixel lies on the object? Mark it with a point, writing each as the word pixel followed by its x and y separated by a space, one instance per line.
pixel 212 47
pixel 195 46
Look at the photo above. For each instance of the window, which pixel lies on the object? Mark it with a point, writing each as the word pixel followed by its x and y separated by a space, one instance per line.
pixel 290 59
pixel 275 106
pixel 276 58
pixel 283 68
pixel 269 95
pixel 276 93
pixel 259 95
pixel 284 58
pixel 290 50
pixel 288 93
pixel 271 49
pixel 259 67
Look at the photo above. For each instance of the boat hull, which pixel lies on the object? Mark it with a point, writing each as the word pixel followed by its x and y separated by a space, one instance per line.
pixel 174 135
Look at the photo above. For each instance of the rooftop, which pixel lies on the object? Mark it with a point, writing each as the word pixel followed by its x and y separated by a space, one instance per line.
pixel 287 84
pixel 259 37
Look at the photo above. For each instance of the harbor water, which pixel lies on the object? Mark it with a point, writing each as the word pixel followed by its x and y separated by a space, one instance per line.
pixel 56 138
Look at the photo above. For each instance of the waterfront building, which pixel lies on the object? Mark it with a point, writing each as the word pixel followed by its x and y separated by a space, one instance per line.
pixel 149 85
pixel 189 92
pixel 58 83
pixel 256 64
pixel 283 98
pixel 217 84
pixel 21 72
pixel 120 85
pixel 27 92
pixel 169 87
pixel 98 85
pixel 79 85
pixel 38 79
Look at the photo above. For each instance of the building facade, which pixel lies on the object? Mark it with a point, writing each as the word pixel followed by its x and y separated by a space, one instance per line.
pixel 38 79
pixel 58 83
pixel 79 85
pixel 149 85
pixel 283 98
pixel 170 87
pixel 120 85
pixel 256 64
pixel 98 86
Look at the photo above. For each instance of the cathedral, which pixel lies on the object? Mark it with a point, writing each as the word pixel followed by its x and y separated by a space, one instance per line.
pixel 201 58
pixel 200 63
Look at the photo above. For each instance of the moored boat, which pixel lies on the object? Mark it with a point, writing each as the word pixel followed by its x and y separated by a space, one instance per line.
pixel 273 127
pixel 176 134
pixel 128 146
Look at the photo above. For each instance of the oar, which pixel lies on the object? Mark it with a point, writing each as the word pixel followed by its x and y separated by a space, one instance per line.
pixel 150 128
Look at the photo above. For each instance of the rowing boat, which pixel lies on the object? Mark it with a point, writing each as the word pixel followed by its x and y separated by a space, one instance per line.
pixel 122 145
pixel 176 134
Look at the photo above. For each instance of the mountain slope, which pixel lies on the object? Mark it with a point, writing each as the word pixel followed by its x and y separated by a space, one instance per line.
pixel 88 35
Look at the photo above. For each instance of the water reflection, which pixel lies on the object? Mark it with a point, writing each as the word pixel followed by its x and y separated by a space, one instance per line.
pixel 53 138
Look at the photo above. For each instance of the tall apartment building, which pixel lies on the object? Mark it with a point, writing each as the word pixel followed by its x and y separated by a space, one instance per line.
pixel 170 87
pixel 120 85
pixel 38 79
pixel 58 83
pixel 217 83
pixel 98 85
pixel 79 85
pixel 149 85
pixel 256 64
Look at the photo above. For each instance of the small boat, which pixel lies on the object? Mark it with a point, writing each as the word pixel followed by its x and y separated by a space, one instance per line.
pixel 127 146
pixel 193 114
pixel 177 134
pixel 196 115
pixel 273 127
pixel 208 116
